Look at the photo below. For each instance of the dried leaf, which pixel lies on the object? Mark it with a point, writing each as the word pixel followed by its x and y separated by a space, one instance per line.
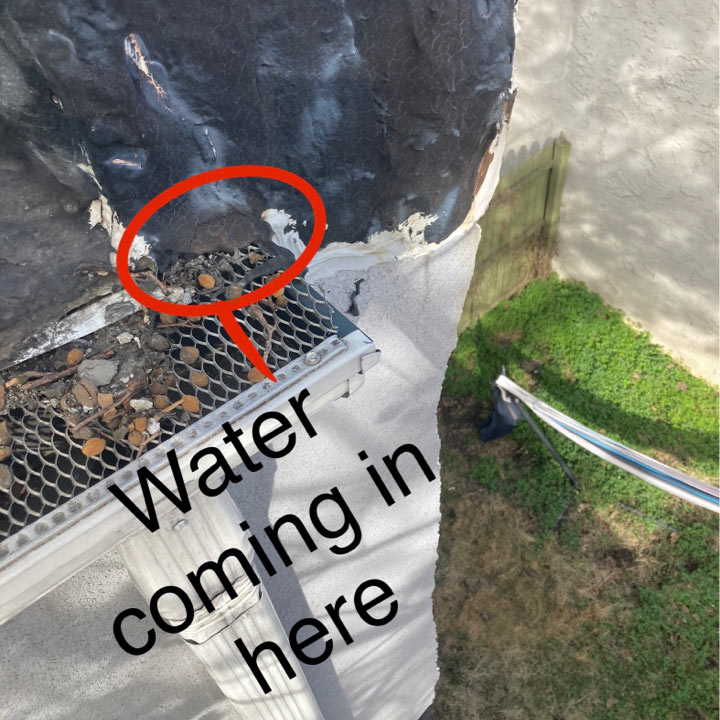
pixel 5 438
pixel 191 404
pixel 109 415
pixel 140 424
pixel 135 438
pixel 104 400
pixel 199 379
pixel 255 376
pixel 157 388
pixel 120 433
pixel 4 453
pixel 166 319
pixel 233 291
pixel 160 402
pixel 85 393
pixel 74 357
pixel 94 446
pixel 206 281
pixel 189 354
pixel 6 478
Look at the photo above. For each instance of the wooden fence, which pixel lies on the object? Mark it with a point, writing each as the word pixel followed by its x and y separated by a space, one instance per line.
pixel 519 228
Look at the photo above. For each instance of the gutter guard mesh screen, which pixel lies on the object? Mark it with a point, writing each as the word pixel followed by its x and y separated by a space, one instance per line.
pixel 47 464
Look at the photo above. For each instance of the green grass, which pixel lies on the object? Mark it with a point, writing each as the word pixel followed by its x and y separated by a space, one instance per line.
pixel 594 367
pixel 656 655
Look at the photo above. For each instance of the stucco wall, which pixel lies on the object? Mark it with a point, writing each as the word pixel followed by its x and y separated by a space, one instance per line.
pixel 634 87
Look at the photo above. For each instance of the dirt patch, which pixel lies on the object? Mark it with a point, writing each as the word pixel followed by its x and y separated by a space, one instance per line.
pixel 610 613
pixel 508 608
pixel 504 339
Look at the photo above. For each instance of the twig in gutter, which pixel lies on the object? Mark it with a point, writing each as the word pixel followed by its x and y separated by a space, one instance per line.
pixel 52 377
pixel 132 389
pixel 170 408
pixel 154 278
pixel 104 434
pixel 268 341
pixel 146 441
pixel 255 312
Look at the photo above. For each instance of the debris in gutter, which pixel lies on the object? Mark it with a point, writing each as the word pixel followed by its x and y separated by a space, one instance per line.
pixel 255 376
pixel 206 281
pixel 74 357
pixel 80 412
pixel 116 385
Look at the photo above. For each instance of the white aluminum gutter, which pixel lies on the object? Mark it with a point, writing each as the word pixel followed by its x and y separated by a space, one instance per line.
pixel 67 539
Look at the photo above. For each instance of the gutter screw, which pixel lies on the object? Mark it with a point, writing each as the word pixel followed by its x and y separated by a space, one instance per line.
pixel 312 358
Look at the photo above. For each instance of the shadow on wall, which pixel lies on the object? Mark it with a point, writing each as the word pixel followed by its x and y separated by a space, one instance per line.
pixel 634 89
pixel 385 650
pixel 284 588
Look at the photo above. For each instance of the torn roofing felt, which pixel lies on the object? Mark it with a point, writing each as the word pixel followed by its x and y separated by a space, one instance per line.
pixel 386 108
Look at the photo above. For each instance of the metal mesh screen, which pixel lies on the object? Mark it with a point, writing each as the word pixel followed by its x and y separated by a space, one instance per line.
pixel 48 467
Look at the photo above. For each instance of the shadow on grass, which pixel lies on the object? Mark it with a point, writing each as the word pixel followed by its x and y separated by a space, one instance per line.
pixel 594 621
pixel 571 350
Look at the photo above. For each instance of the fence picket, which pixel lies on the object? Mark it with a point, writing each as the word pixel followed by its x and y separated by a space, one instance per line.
pixel 519 228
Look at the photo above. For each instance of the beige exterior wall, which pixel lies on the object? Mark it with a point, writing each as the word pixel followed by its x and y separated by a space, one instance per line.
pixel 634 87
